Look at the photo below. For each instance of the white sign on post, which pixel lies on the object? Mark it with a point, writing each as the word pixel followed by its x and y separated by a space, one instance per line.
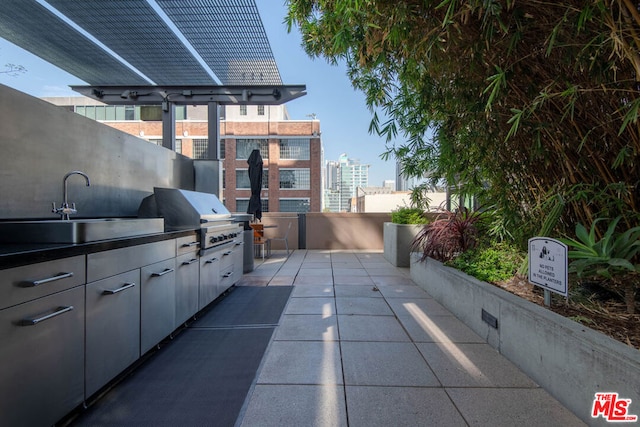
pixel 548 264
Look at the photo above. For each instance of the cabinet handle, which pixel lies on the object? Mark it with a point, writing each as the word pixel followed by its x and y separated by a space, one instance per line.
pixel 33 283
pixel 188 245
pixel 58 312
pixel 227 253
pixel 115 291
pixel 210 261
pixel 162 273
pixel 191 261
pixel 229 274
pixel 239 243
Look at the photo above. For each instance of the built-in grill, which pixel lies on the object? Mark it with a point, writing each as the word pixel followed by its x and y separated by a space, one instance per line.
pixel 191 210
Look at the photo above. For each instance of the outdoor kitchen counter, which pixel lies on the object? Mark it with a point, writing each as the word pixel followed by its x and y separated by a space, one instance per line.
pixel 19 254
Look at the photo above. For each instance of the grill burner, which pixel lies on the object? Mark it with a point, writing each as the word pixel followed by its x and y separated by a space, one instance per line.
pixel 191 210
pixel 216 235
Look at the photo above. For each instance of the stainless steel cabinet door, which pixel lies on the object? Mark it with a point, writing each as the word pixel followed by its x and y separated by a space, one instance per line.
pixel 209 278
pixel 157 302
pixel 113 328
pixel 42 359
pixel 238 261
pixel 187 288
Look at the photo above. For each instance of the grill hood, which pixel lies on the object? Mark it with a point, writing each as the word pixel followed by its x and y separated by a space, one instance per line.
pixel 183 209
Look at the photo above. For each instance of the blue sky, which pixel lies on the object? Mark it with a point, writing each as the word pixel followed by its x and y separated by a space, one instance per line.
pixel 344 118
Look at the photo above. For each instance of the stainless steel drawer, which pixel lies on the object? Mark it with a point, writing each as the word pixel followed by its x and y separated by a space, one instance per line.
pixel 26 283
pixel 187 244
pixel 116 261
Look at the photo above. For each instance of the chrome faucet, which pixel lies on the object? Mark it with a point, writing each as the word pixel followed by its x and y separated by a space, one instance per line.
pixel 65 210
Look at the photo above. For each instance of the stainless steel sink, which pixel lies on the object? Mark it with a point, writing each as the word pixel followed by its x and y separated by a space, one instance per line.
pixel 77 230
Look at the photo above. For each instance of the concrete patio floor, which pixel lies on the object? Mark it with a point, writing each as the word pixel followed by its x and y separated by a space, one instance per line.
pixel 359 344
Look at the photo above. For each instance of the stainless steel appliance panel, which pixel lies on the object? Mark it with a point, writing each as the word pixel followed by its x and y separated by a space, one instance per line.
pixel 42 359
pixel 112 328
pixel 157 302
pixel 21 284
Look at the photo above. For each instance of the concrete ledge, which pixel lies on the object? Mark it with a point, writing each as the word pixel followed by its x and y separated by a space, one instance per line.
pixel 571 361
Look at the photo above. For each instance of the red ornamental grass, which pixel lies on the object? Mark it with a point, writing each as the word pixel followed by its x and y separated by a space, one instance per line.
pixel 447 236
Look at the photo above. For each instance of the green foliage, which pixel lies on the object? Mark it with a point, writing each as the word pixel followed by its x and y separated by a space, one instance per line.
pixel 406 215
pixel 490 263
pixel 610 256
pixel 498 98
pixel 613 257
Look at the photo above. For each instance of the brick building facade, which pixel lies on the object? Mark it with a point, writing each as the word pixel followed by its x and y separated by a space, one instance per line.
pixel 291 149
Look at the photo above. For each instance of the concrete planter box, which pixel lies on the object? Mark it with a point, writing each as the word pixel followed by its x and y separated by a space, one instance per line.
pixel 571 361
pixel 397 240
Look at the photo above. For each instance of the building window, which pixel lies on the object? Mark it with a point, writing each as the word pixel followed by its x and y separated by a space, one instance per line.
pixel 294 205
pixel 261 110
pixel 243 182
pixel 178 146
pixel 243 204
pixel 294 149
pixel 200 146
pixel 244 147
pixel 181 112
pixel 222 149
pixel 243 110
pixel 295 179
pixel 111 112
pixel 130 112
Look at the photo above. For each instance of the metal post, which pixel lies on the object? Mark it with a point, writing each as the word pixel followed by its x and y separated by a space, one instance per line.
pixel 168 125
pixel 547 298
pixel 213 146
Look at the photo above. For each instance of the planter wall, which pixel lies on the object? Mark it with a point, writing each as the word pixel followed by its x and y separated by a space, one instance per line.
pixel 397 240
pixel 570 361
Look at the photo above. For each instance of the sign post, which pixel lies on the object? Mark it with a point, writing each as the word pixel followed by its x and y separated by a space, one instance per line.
pixel 548 266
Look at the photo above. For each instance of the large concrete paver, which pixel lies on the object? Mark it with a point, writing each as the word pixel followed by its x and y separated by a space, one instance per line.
pixel 401 406
pixel 371 328
pixel 385 364
pixel 296 405
pixel 364 346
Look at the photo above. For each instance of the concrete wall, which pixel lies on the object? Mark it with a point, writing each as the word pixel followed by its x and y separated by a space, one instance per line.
pixel 40 143
pixel 345 230
pixel 567 359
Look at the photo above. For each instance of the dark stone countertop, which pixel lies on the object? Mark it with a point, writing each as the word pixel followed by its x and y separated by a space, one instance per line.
pixel 19 254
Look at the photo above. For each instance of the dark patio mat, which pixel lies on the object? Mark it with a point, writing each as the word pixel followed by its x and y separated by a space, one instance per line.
pixel 247 306
pixel 202 377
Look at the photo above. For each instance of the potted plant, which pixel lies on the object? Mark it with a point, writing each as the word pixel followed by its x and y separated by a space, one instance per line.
pixel 406 223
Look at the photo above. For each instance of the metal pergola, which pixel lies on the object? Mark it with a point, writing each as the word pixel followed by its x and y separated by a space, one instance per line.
pixel 155 52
